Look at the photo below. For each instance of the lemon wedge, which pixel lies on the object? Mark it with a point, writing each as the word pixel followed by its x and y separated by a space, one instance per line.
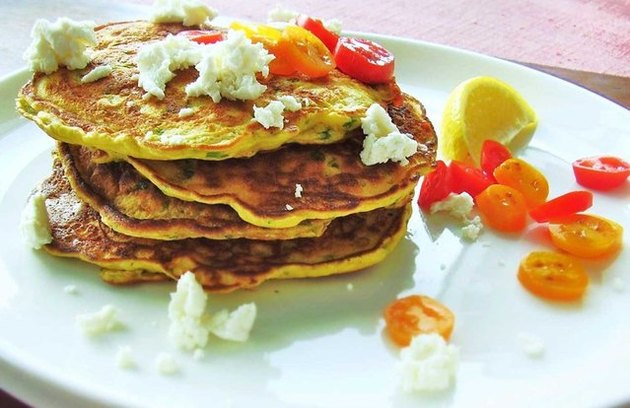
pixel 484 108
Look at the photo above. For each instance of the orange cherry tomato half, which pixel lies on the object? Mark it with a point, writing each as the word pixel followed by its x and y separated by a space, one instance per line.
pixel 502 208
pixel 269 37
pixel 469 179
pixel 525 178
pixel 586 235
pixel 493 154
pixel 562 206
pixel 416 314
pixel 553 276
pixel 303 51
pixel 436 185
pixel 364 60
pixel 203 36
pixel 601 173
pixel 316 27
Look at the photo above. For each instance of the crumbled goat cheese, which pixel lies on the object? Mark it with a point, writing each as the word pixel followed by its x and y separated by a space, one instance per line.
pixel 166 364
pixel 157 62
pixel 199 354
pixel 532 345
pixel 270 115
pixel 124 358
pixel 64 42
pixel 428 363
pixel 281 15
pixel 289 207
pixel 171 139
pixel 228 69
pixel 185 112
pixel 186 313
pixel 290 103
pixel 98 323
pixel 383 141
pixel 460 206
pixel 298 190
pixel 188 12
pixel 34 224
pixel 333 25
pixel 618 284
pixel 97 73
pixel 70 290
pixel 235 325
pixel 472 230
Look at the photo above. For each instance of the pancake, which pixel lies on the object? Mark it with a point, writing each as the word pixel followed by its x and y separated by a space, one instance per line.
pixel 349 244
pixel 131 205
pixel 335 182
pixel 111 114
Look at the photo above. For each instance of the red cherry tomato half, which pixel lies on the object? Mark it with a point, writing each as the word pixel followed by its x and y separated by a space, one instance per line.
pixel 203 36
pixel 316 27
pixel 469 179
pixel 602 172
pixel 493 154
pixel 562 206
pixel 364 60
pixel 436 185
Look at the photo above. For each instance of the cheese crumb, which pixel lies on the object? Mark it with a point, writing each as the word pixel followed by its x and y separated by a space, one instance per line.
pixel 34 224
pixel 70 290
pixel 165 364
pixel 199 354
pixel 384 142
pixel 428 363
pixel 235 325
pixel 186 312
pixel 185 112
pixel 64 42
pixel 460 206
pixel 97 73
pixel 98 323
pixel 228 69
pixel 289 207
pixel 188 12
pixel 124 358
pixel 278 14
pixel 298 190
pixel 270 115
pixel 290 103
pixel 350 287
pixel 532 345
pixel 472 230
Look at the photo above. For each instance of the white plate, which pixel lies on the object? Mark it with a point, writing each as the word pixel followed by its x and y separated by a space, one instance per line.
pixel 316 343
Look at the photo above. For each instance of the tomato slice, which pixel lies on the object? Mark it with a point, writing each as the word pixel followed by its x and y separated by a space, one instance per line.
pixel 601 173
pixel 436 185
pixel 469 179
pixel 586 235
pixel 203 36
pixel 303 51
pixel 316 27
pixel 562 206
pixel 524 177
pixel 493 154
pixel 416 314
pixel 553 276
pixel 364 60
pixel 502 208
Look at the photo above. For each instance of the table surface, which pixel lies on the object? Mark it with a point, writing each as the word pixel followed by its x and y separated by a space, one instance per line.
pixel 584 41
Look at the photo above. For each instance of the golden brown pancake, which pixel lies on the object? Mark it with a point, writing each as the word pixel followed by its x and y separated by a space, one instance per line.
pixel 110 114
pixel 350 243
pixel 130 204
pixel 334 180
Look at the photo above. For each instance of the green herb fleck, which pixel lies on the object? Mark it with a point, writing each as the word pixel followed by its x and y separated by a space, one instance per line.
pixel 325 135
pixel 350 124
pixel 188 169
pixel 215 155
pixel 158 131
pixel 317 155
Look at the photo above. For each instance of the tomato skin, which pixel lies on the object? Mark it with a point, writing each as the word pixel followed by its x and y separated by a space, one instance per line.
pixel 364 60
pixel 524 177
pixel 502 208
pixel 302 50
pixel 436 185
pixel 416 314
pixel 601 173
pixel 586 235
pixel 553 276
pixel 203 36
pixel 562 206
pixel 493 154
pixel 469 179
pixel 316 27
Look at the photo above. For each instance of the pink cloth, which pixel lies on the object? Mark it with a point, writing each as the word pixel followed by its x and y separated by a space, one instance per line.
pixel 588 35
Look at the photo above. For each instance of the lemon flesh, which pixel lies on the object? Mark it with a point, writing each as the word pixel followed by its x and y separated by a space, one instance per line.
pixel 484 108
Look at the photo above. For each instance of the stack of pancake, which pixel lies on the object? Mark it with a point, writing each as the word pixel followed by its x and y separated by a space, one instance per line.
pixel 149 189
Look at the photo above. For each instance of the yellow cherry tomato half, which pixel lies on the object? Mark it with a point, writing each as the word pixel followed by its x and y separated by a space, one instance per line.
pixel 502 208
pixel 269 37
pixel 586 235
pixel 553 276
pixel 416 314
pixel 524 177
pixel 306 53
